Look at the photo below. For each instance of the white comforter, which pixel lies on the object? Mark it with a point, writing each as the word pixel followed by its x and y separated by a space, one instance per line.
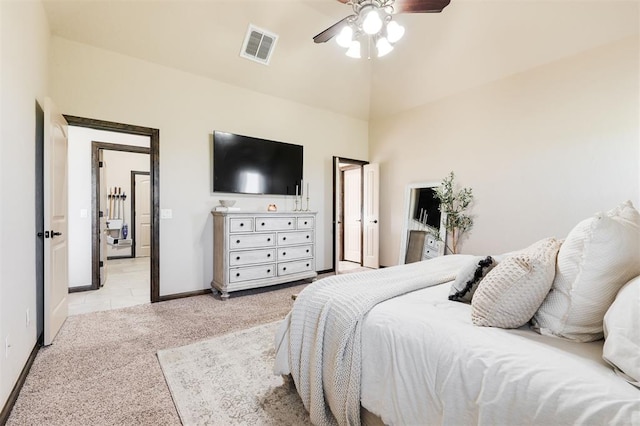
pixel 425 363
pixel 324 332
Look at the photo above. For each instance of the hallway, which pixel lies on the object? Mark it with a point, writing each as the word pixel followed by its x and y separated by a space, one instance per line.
pixel 127 285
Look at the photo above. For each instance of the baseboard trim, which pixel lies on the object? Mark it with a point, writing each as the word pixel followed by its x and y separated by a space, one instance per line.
pixel 80 288
pixel 183 295
pixel 326 271
pixel 120 257
pixel 15 392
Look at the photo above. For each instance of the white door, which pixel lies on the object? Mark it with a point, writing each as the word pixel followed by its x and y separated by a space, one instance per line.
pixel 142 215
pixel 337 250
pixel 102 221
pixel 371 237
pixel 56 272
pixel 352 215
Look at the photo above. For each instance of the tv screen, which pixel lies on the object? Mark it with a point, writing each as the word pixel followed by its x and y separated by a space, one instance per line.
pixel 426 210
pixel 247 165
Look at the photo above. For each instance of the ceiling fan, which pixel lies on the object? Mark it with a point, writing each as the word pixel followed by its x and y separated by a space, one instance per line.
pixel 373 19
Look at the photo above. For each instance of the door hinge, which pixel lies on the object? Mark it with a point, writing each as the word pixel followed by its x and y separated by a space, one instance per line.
pixel 100 214
pixel 101 263
pixel 100 164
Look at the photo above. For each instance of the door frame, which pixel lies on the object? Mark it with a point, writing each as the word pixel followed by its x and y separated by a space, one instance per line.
pixel 134 173
pixel 96 147
pixel 154 170
pixel 334 166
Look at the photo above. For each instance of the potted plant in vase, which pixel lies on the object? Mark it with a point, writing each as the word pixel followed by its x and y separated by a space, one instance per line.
pixel 454 204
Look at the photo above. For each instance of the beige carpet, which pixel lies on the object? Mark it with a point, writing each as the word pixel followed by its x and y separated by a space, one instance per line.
pixel 103 370
pixel 229 380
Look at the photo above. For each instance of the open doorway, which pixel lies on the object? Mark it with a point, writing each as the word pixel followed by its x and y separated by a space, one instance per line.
pixel 118 258
pixel 355 215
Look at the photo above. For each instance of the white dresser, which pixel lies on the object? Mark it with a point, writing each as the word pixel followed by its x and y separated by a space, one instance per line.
pixel 260 249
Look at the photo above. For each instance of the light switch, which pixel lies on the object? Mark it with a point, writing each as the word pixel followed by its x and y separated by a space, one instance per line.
pixel 84 213
pixel 166 213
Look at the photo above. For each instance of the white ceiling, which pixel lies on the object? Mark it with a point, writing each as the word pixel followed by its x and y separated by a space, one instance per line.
pixel 472 42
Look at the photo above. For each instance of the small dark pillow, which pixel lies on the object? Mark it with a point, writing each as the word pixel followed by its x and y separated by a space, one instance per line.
pixel 469 278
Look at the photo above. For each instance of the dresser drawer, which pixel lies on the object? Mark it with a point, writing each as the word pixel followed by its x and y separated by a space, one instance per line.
pixel 240 241
pixel 247 257
pixel 241 224
pixel 305 222
pixel 252 273
pixel 289 268
pixel 286 238
pixel 275 223
pixel 295 252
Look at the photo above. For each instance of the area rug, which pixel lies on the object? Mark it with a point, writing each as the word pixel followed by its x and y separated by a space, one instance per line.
pixel 229 380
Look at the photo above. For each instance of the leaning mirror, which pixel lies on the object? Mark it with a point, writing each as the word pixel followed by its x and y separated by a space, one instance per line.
pixel 423 224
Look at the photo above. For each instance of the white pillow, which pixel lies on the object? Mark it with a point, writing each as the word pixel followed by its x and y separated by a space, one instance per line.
pixel 512 292
pixel 622 333
pixel 597 258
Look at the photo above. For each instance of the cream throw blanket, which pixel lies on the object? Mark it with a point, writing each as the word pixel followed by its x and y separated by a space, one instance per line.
pixel 324 332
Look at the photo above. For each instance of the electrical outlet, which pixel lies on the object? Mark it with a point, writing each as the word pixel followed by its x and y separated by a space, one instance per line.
pixel 166 213
pixel 6 347
pixel 28 318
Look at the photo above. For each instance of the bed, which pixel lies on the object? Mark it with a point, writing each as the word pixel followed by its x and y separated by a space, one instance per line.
pixel 390 347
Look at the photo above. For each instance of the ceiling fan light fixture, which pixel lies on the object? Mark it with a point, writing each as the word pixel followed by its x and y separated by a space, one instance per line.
pixel 383 46
pixel 354 50
pixel 345 37
pixel 372 23
pixel 395 31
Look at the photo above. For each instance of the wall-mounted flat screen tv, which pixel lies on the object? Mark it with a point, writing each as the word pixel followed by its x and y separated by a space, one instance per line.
pixel 248 165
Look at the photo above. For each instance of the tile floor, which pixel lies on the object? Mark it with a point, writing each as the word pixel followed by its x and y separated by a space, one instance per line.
pixel 127 285
pixel 346 266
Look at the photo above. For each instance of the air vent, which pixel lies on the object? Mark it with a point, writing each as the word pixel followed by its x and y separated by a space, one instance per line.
pixel 258 45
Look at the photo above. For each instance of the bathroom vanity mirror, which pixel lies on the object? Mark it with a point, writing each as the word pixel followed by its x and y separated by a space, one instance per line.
pixel 423 224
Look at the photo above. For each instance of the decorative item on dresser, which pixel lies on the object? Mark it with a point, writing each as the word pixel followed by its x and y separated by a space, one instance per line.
pixel 261 249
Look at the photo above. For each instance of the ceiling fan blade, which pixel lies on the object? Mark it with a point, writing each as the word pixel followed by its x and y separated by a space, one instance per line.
pixel 330 32
pixel 420 6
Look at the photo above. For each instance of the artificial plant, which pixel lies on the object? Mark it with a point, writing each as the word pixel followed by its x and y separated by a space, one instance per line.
pixel 454 203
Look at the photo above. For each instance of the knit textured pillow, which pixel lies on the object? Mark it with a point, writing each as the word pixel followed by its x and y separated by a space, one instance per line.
pixel 598 257
pixel 512 292
pixel 469 278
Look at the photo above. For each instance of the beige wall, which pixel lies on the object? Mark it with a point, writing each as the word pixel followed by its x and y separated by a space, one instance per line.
pixel 542 149
pixel 24 35
pixel 95 83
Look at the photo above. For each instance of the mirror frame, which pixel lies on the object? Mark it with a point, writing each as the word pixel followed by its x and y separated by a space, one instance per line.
pixel 409 202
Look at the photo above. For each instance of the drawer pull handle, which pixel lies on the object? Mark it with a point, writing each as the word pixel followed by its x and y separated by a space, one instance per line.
pixel 307 265
pixel 289 223
pixel 268 239
pixel 284 253
pixel 307 250
pixel 307 237
pixel 238 257
pixel 284 238
pixel 262 224
pixel 268 271
pixel 268 254
pixel 305 222
pixel 242 224
pixel 284 269
pixel 238 274
pixel 237 241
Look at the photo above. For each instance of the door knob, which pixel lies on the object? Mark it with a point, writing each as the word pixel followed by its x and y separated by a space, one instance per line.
pixel 374 221
pixel 55 234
